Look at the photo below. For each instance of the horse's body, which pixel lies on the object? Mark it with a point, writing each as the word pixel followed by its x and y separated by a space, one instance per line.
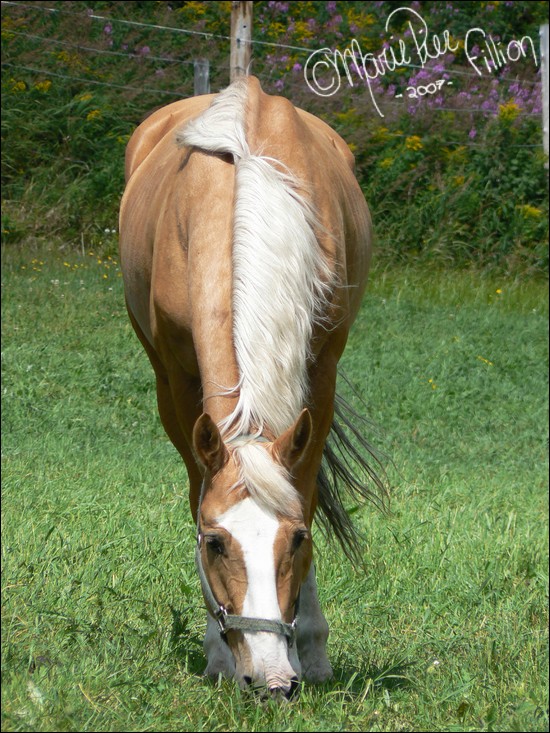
pixel 245 244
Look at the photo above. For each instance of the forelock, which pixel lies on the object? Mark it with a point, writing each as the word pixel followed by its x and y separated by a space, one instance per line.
pixel 267 482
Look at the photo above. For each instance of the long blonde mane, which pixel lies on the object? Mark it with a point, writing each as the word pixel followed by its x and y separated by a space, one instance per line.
pixel 279 273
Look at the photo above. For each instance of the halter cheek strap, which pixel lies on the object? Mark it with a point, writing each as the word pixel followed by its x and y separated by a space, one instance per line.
pixel 233 622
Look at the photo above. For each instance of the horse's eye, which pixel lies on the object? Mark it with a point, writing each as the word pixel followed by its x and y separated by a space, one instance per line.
pixel 299 536
pixel 215 544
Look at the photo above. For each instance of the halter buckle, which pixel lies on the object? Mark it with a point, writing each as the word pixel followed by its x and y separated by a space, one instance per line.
pixel 220 616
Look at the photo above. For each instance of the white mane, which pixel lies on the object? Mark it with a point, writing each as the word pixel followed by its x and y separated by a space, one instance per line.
pixel 279 273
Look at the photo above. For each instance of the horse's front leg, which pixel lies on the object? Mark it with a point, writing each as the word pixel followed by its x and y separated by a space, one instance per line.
pixel 312 633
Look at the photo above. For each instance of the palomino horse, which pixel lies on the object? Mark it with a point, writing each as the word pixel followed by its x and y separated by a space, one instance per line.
pixel 245 245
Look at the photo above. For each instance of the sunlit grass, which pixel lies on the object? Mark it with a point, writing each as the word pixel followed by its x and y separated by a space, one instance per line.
pixel 443 628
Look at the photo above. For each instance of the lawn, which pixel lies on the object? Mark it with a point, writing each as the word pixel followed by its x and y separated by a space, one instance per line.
pixel 443 628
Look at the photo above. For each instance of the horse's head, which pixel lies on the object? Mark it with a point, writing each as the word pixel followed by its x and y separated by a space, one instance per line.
pixel 254 547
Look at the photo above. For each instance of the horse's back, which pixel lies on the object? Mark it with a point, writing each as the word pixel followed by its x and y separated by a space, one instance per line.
pixel 176 194
pixel 317 156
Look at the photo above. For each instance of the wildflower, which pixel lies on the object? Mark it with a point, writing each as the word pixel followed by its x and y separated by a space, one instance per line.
pixel 472 134
pixel 17 86
pixel 530 212
pixel 508 111
pixel 413 143
pixel 381 134
pixel 93 115
pixel 43 86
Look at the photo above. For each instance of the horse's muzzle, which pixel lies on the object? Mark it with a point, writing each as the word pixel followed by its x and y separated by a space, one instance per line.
pixel 286 692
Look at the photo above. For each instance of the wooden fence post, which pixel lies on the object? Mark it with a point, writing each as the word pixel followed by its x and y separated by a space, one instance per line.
pixel 202 76
pixel 241 39
pixel 544 79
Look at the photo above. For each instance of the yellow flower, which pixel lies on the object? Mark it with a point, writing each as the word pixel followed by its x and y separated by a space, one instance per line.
pixel 530 212
pixel 93 115
pixel 18 86
pixel 413 143
pixel 85 97
pixel 43 86
pixel 302 29
pixel 386 163
pixel 381 134
pixel 508 111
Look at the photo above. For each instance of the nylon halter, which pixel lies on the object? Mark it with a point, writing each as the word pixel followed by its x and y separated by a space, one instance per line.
pixel 230 621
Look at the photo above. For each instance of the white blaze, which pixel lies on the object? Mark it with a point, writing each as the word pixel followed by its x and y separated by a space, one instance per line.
pixel 255 530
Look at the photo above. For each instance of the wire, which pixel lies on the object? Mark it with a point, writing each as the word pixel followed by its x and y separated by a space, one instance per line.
pixel 93 16
pixel 101 51
pixel 89 81
pixel 206 34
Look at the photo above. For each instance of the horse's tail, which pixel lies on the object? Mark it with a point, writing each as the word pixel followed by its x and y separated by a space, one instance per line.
pixel 347 468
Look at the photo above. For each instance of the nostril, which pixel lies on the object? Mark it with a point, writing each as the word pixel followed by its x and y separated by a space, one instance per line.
pixel 247 679
pixel 281 691
pixel 294 684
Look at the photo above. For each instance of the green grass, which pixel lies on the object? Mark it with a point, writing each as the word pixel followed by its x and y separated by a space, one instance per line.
pixel 445 626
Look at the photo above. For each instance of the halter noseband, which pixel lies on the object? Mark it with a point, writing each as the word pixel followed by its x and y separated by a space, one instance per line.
pixel 230 621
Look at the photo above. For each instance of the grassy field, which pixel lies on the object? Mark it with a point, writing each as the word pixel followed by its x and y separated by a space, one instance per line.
pixel 444 628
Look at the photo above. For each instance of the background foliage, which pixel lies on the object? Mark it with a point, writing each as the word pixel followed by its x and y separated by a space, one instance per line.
pixel 456 177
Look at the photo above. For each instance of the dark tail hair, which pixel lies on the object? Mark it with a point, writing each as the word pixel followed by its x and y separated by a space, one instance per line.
pixel 347 469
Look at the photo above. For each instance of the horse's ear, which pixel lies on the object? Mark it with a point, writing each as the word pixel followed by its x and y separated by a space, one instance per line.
pixel 291 446
pixel 208 444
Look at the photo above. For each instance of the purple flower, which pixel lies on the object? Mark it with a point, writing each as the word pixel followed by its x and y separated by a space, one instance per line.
pixel 108 29
pixel 297 67
pixel 472 133
pixel 144 50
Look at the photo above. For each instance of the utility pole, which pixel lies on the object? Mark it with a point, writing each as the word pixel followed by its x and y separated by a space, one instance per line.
pixel 241 38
